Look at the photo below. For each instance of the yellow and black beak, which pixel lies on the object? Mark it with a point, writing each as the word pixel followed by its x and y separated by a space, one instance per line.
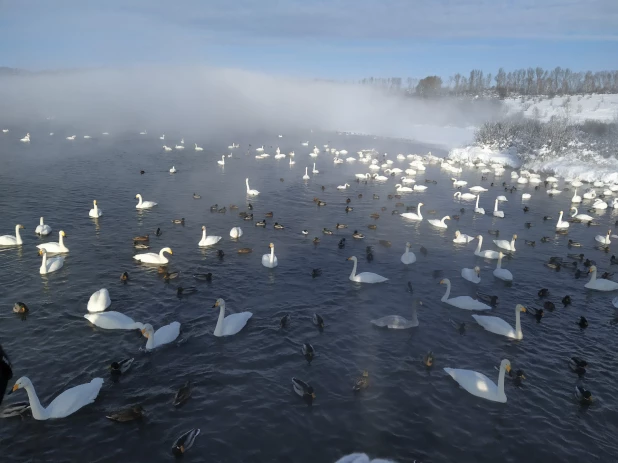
pixel 508 368
pixel 144 332
pixel 216 304
pixel 13 389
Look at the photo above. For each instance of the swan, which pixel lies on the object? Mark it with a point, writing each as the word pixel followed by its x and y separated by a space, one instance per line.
pixel 473 275
pixel 499 326
pixel 599 204
pixel 113 321
pixel 397 322
pixel 408 257
pixel 343 187
pixel 576 198
pixel 232 324
pixel 222 161
pixel 462 238
pixel 154 258
pixel 162 336
pixel 365 277
pixel 400 188
pixel 459 182
pixel 43 229
pixel 315 171
pixel 477 209
pixel 95 211
pixel 590 194
pixel 26 139
pixel 477 189
pixel 260 149
pixel 439 223
pixel 173 171
pixel 526 196
pixel 412 215
pixel 10 240
pixel 461 302
pixel 603 239
pixel 502 273
pixel 480 385
pixel 506 245
pixel 55 248
pixel 236 232
pixel 498 213
pixel 65 404
pixel 464 196
pixel 166 148
pixel 270 260
pixel 487 254
pixel 251 192
pixel 601 284
pixel 420 187
pixel 582 217
pixel 306 176
pixel 99 301
pixel 198 148
pixel 560 224
pixel 144 204
pixel 72 137
pixel 162 137
pixel 50 265
pixel 208 240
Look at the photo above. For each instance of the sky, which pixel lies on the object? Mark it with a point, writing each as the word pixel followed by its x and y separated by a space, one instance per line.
pixel 330 39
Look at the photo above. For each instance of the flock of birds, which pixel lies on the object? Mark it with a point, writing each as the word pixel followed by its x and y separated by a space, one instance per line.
pixel 381 169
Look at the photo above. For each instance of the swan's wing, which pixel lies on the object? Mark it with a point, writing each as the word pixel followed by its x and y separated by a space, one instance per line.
pixel 99 301
pixel 495 325
pixel 354 458
pixel 111 320
pixel 55 263
pixel 368 277
pixel 394 322
pixel 235 322
pixel 474 382
pixel 409 215
pixel 75 398
pixel 468 303
pixel 167 333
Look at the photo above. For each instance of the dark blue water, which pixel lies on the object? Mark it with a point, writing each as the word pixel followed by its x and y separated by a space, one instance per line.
pixel 243 400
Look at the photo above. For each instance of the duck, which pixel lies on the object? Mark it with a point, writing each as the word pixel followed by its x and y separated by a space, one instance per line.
pixel 308 351
pixel 408 257
pixel 55 248
pixel 506 245
pixel 428 359
pixel 473 275
pixel 480 385
pixel 414 216
pixel 50 265
pixel 502 273
pixel 578 365
pixel 498 326
pixel 303 389
pixel 584 396
pixel 362 382
pixel 232 324
pixel 20 307
pixel 121 367
pixel 318 321
pixel 203 276
pixel 398 322
pixel 164 335
pixel 124 277
pixel 575 244
pixel 461 302
pixel 566 300
pixel 153 258
pixel 63 405
pixel 128 414
pixel 196 196
pixel 439 223
pixel 462 238
pixel 208 240
pixel 43 229
pixel 278 226
pixel 285 321
pixel 365 277
pixel 599 284
pixel 245 251
pixel 183 394
pixel 339 226
pixel 316 272
pixel 561 225
pixel 487 254
pixel 358 235
pixel 270 260
pixel 10 240
pixel 326 231
pixel 260 223
pixel 341 244
pixel 99 301
pixel 185 442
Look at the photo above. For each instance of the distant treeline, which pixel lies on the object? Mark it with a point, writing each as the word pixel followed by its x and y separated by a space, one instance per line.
pixel 531 81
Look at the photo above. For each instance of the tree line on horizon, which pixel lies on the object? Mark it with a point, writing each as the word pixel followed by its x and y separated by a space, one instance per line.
pixel 530 81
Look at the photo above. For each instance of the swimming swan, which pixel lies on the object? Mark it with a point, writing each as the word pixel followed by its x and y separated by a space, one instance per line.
pixel 397 322
pixel 439 223
pixel 65 404
pixel 498 213
pixel 50 265
pixel 99 301
pixel 506 245
pixel 198 148
pixel 154 258
pixel 603 239
pixel 487 254
pixel 461 302
pixel 95 211
pixel 236 232
pixel 113 321
pixel 364 277
pixel 10 240
pixel 499 326
pixel 473 275
pixel 412 215
pixel 582 217
pixel 162 336
pixel 462 238
pixel 464 196
pixel 477 209
pixel 144 204
pixel 561 224
pixel 306 176
pixel 251 192
pixel 601 284
pixel 208 240
pixel 408 257
pixel 502 273
pixel 270 260
pixel 55 248
pixel 480 385
pixel 232 324
pixel 222 161
pixel 43 229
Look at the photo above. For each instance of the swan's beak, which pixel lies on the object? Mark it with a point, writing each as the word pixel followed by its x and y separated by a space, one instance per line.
pixel 523 309
pixel 21 226
pixel 216 304
pixel 15 387
pixel 40 252
pixel 508 368
pixel 441 282
pixel 144 332
pixel 171 252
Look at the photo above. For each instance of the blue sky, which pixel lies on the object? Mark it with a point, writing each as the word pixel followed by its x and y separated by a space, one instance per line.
pixel 338 39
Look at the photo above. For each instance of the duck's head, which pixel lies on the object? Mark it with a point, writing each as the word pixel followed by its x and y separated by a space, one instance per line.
pixel 219 303
pixel 115 368
pixel 20 307
pixel 147 330
pixel 21 383
pixel 428 359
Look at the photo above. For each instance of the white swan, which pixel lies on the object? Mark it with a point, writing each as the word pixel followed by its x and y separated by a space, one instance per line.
pixel 412 216
pixel 397 322
pixel 600 284
pixel 292 162
pixel 603 239
pixel 10 240
pixel 576 198
pixel 113 321
pixel 270 260
pixel 251 192
pixel 236 232
pixel 526 196
pixel 502 273
pixel 144 204
pixel 153 258
pixel 477 189
pixel 65 404
pixel 55 248
pixel 408 257
pixel 167 148
pixel 499 326
pixel 560 224
pixel 179 147
pixel 462 238
pixel 232 324
pixel 364 277
pixel 315 171
pixel 198 148
pixel 95 211
pixel 222 161
pixel 162 336
pixel 582 217
pixel 461 302
pixel 487 254
pixel 260 149
pixel 50 265
pixel 208 240
pixel 402 189
pixel 420 187
pixel 343 187
pixel 498 213
pixel 173 171
pixel 477 209
pixel 599 204
pixel 306 176
pixel 99 301
pixel 43 229
pixel 480 385
pixel 473 275
pixel 162 137
pixel 506 245
pixel 439 223
pixel 464 196
pixel 26 139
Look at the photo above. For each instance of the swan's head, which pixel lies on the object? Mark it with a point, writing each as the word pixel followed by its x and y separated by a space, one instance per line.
pixel 20 226
pixel 448 217
pixel 219 303
pixel 520 307
pixel 351 258
pixel 514 237
pixel 63 234
pixel 479 237
pixel 477 270
pixel 420 204
pixel 593 268
pixel 138 196
pixel 506 364
pixel 168 250
pixel 42 251
pixel 457 233
pixel 204 227
pixel 271 245
pixel 444 281
pixel 21 383
pixel 408 245
pixel 147 330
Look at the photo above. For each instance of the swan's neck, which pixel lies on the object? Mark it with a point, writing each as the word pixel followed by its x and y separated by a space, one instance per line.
pixel 44 264
pixel 560 218
pixel 478 246
pixel 61 240
pixel 306 169
pixel 219 327
pixel 18 236
pixel 140 200
pixel 150 344
pixel 496 206
pixel 501 381
pixel 41 222
pixel 38 411
pixel 272 255
pixel 247 181
pixel 418 211
pixel 353 274
pixel 518 323
pixel 443 221
pixel 574 213
pixel 593 276
pixel 204 234
pixel 513 244
pixel 163 250
pixel 477 201
pixel 447 293
pixel 499 266
pixel 414 319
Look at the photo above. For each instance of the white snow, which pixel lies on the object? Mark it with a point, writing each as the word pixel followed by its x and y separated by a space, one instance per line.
pixel 487 155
